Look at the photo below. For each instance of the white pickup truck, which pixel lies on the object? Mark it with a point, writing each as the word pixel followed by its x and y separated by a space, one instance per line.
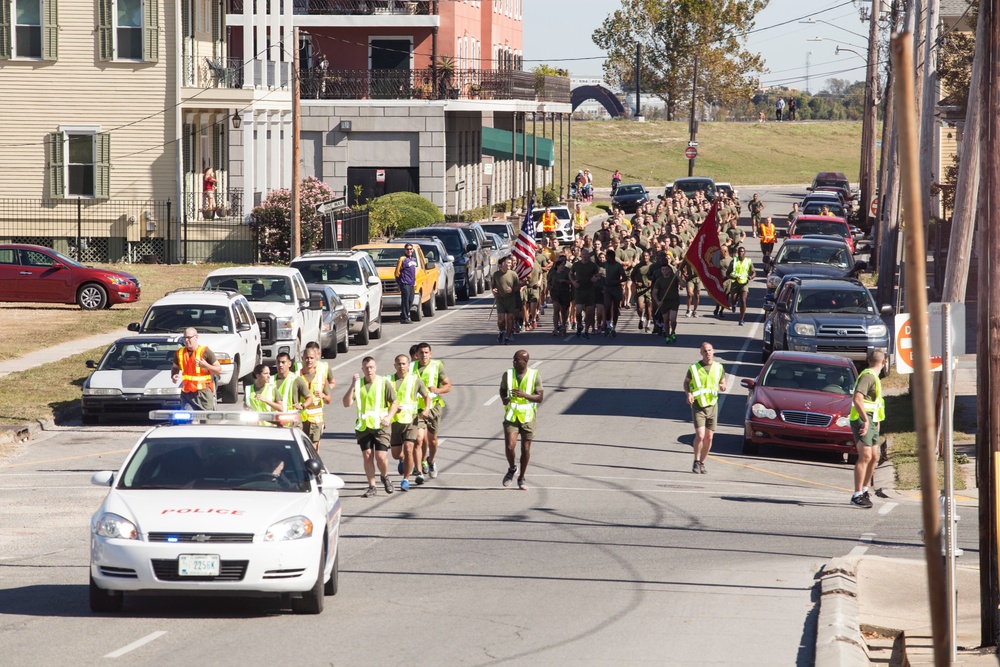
pixel 288 318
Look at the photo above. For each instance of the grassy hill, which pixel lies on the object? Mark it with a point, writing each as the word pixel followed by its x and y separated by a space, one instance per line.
pixel 743 153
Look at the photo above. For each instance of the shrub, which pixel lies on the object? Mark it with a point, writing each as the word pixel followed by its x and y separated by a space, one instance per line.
pixel 392 214
pixel 501 207
pixel 550 198
pixel 271 220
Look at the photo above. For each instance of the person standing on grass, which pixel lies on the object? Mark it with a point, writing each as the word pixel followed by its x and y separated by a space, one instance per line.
pixel 195 366
pixel 867 414
pixel 521 392
pixel 703 383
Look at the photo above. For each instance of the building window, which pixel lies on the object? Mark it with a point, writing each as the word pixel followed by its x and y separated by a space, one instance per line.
pixel 128 30
pixel 28 29
pixel 79 163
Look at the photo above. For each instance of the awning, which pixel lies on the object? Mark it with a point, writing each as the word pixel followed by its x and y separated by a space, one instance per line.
pixel 498 144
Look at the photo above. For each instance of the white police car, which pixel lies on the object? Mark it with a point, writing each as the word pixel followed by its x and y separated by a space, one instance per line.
pixel 221 509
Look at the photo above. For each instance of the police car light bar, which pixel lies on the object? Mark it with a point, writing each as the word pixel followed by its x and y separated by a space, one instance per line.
pixel 224 416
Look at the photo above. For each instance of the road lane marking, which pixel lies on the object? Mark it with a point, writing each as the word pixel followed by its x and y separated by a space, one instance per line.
pixel 65 458
pixel 492 400
pixel 537 363
pixel 739 360
pixel 888 507
pixel 136 644
pixel 568 338
pixel 778 474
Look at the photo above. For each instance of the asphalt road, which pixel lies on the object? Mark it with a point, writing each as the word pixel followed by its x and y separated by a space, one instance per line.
pixel 617 554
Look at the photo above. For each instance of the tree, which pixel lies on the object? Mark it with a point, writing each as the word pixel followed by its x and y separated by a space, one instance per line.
pixel 672 34
pixel 271 220
pixel 549 70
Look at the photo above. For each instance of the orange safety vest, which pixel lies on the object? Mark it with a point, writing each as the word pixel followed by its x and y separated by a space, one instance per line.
pixel 767 233
pixel 549 222
pixel 194 377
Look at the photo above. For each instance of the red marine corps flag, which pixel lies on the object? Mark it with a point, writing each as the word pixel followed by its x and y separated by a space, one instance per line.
pixel 704 255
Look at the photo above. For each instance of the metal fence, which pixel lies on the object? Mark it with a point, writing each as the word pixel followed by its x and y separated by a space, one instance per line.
pixel 345 230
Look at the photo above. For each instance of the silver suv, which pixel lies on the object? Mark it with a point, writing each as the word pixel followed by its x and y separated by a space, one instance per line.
pixel 827 316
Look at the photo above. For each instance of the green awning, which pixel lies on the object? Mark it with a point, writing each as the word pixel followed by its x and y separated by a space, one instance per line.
pixel 498 144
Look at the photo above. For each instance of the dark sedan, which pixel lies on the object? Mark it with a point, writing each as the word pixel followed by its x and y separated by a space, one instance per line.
pixel 630 197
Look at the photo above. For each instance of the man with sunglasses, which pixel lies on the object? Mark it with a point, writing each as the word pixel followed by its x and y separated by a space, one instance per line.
pixel 195 366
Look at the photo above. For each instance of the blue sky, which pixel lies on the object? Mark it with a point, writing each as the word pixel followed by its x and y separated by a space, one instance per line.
pixel 555 29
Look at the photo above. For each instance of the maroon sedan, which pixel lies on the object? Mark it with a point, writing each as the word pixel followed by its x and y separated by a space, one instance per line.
pixel 42 275
pixel 801 400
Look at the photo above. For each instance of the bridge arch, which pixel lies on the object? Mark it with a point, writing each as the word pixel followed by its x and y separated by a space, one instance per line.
pixel 605 97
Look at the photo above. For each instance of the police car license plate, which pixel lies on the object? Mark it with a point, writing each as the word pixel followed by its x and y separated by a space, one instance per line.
pixel 197 565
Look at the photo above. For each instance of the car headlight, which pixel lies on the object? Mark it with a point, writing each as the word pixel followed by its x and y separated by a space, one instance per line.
pixel 773 281
pixel 290 529
pixel 762 411
pixel 286 326
pixel 805 330
pixel 117 280
pixel 224 358
pixel 163 391
pixel 354 304
pixel 877 331
pixel 114 526
pixel 102 392
pixel 843 422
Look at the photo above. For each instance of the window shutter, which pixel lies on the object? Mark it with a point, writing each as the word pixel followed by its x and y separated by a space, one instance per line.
pixel 188 137
pixel 105 26
pixel 5 27
pixel 219 153
pixel 57 173
pixel 102 165
pixel 50 28
pixel 217 30
pixel 151 31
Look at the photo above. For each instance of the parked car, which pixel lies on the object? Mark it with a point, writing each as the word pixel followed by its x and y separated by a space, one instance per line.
pixel 833 180
pixel 564 230
pixel 335 325
pixel 801 400
pixel 287 317
pixel 470 266
pixel 827 316
pixel 821 225
pixel 691 185
pixel 504 230
pixel 132 377
pixel 478 234
pixel 727 189
pixel 497 250
pixel 386 256
pixel 31 273
pixel 353 275
pixel 630 197
pixel 823 257
pixel 435 252
pixel 225 324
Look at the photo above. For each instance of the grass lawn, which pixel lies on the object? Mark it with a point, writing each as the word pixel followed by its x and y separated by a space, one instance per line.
pixel 58 385
pixel 742 153
pixel 899 426
pixel 28 327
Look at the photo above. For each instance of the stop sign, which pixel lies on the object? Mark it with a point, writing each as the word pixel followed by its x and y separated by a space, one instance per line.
pixel 690 152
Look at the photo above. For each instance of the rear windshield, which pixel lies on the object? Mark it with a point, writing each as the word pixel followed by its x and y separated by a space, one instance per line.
pixel 175 319
pixel 629 190
pixel 430 251
pixel 816 208
pixel 797 254
pixel 827 183
pixel 824 227
pixel 330 272
pixel 503 231
pixel 386 256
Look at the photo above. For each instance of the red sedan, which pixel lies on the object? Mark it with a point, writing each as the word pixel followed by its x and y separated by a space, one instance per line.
pixel 801 400
pixel 41 275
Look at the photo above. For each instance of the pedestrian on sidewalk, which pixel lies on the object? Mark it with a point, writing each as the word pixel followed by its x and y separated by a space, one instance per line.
pixel 521 392
pixel 406 278
pixel 195 366
pixel 703 383
pixel 867 413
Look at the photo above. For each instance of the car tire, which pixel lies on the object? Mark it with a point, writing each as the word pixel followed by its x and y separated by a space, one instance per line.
pixel 417 312
pixel 332 584
pixel 378 332
pixel 451 295
pixel 364 335
pixel 311 601
pixel 92 296
pixel 90 420
pixel 431 306
pixel 331 351
pixel 345 347
pixel 230 393
pixel 749 448
pixel 103 601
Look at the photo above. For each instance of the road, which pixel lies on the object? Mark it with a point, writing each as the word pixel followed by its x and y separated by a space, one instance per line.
pixel 617 554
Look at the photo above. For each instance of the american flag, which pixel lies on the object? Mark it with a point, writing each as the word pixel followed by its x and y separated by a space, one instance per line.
pixel 524 245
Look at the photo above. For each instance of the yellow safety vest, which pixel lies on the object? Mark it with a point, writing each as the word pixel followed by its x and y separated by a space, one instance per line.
pixel 580 222
pixel 406 398
pixel 371 404
pixel 429 374
pixel 521 409
pixel 253 397
pixel 314 414
pixel 741 271
pixel 704 384
pixel 875 408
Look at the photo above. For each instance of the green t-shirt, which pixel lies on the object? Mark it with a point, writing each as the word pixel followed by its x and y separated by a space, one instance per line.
pixel 667 288
pixel 583 273
pixel 507 284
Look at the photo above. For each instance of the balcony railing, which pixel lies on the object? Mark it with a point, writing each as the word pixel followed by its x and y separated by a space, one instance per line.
pixel 222 205
pixel 352 7
pixel 464 84
pixel 203 72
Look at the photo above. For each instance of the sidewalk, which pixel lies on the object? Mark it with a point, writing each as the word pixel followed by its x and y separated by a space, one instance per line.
pixel 59 352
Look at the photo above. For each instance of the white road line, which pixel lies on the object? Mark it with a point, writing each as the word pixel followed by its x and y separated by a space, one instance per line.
pixel 888 507
pixel 739 359
pixel 136 644
pixel 492 400
pixel 568 338
pixel 866 541
pixel 537 363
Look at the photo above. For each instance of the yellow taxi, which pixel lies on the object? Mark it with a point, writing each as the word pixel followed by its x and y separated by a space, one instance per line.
pixel 386 257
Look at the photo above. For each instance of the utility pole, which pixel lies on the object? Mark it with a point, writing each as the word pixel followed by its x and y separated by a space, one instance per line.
pixel 808 56
pixel 988 337
pixel 888 129
pixel 296 246
pixel 694 103
pixel 870 117
pixel 638 76
pixel 928 129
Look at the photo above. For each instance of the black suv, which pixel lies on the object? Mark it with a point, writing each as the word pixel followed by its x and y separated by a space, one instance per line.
pixel 464 245
pixel 811 256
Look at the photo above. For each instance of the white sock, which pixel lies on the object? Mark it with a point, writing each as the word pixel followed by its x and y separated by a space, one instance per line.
pixel 864 490
pixel 855 494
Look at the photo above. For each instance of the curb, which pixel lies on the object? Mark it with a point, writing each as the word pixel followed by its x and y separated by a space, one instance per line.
pixel 17 433
pixel 838 631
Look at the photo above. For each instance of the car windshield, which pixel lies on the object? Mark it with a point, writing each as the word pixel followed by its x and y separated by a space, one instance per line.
pixel 133 356
pixel 797 254
pixel 221 464
pixel 823 227
pixel 561 214
pixel 453 240
pixel 856 301
pixel 629 190
pixel 829 378
pixel 816 208
pixel 690 187
pixel 430 252
pixel 820 184
pixel 254 288
pixel 502 230
pixel 175 319
pixel 388 256
pixel 330 272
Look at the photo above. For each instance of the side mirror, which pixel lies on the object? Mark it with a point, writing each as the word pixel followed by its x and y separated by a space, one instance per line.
pixel 768 305
pixel 331 481
pixel 243 326
pixel 314 467
pixel 887 310
pixel 449 258
pixel 472 247
pixel 58 265
pixel 373 280
pixel 133 326
pixel 91 363
pixel 315 304
pixel 748 383
pixel 103 478
pixel 781 307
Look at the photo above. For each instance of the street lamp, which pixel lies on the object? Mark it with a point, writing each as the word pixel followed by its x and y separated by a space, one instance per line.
pixel 237 120
pixel 837 51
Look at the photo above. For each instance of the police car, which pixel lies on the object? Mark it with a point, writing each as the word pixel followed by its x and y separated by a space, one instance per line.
pixel 132 378
pixel 214 503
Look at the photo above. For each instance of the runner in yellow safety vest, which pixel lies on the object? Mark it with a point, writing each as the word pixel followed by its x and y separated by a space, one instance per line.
pixel 742 272
pixel 404 430
pixel 320 381
pixel 261 394
pixel 431 371
pixel 521 392
pixel 702 384
pixel 376 400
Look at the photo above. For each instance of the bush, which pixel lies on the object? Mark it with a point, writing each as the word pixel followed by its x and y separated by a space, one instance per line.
pixel 271 220
pixel 501 207
pixel 392 214
pixel 550 198
pixel 416 201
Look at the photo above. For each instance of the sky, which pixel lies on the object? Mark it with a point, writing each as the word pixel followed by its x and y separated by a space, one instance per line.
pixel 562 29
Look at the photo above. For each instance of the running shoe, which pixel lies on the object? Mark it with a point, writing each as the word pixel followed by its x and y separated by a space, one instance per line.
pixel 500 337
pixel 370 493
pixel 419 479
pixel 701 468
pixel 586 335
pixel 694 468
pixel 861 501
pixel 404 485
pixel 399 468
pixel 522 484
pixel 694 313
pixel 433 469
pixel 673 338
pixel 642 324
pixel 607 332
pixel 741 323
pixel 614 332
pixel 387 483
pixel 687 313
pixel 579 331
pixel 424 468
pixel 509 477
pixel 666 339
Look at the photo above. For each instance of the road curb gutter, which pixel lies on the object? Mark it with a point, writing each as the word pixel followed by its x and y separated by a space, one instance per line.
pixel 839 642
